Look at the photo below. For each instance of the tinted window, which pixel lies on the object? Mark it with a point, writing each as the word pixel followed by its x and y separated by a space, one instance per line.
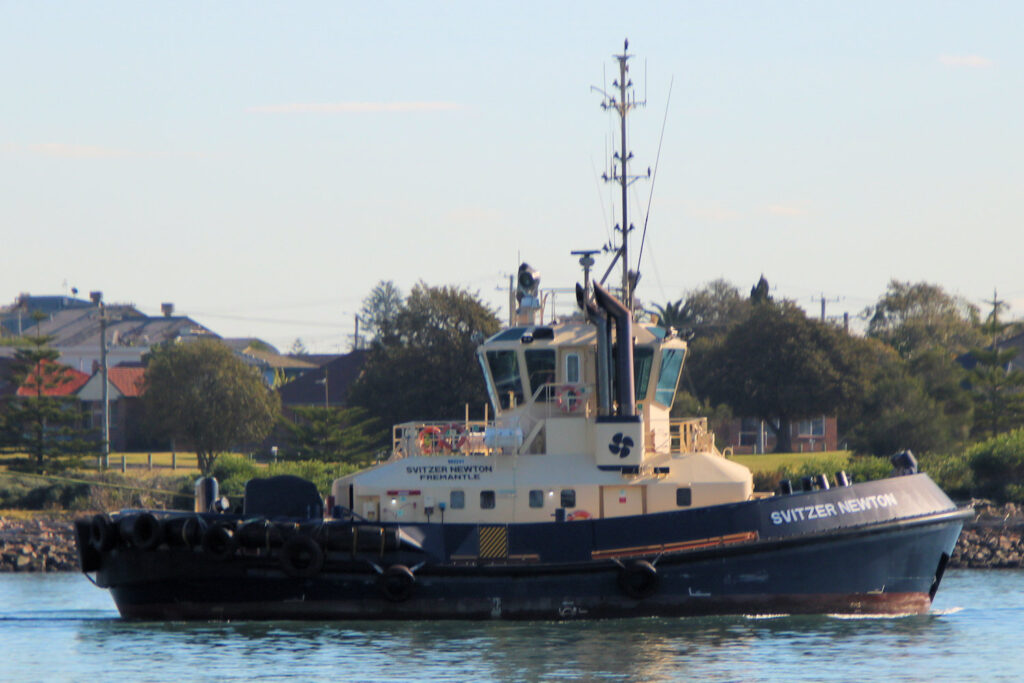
pixel 487 500
pixel 572 368
pixel 643 361
pixel 536 498
pixel 684 497
pixel 504 366
pixel 671 364
pixel 457 500
pixel 540 366
pixel 568 498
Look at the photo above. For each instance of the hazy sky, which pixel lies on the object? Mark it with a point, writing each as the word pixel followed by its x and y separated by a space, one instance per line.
pixel 263 165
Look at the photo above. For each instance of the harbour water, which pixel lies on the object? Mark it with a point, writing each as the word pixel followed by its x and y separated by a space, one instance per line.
pixel 58 627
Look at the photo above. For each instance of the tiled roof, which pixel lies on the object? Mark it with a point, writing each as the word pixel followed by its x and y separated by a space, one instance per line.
pixel 276 360
pixel 74 383
pixel 127 378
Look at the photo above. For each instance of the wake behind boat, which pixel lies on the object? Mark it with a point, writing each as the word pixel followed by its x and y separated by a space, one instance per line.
pixel 582 498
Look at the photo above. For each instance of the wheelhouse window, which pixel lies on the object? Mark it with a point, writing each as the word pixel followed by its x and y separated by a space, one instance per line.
pixel 540 366
pixel 487 500
pixel 457 500
pixel 568 498
pixel 668 378
pixel 643 361
pixel 536 498
pixel 572 368
pixel 504 373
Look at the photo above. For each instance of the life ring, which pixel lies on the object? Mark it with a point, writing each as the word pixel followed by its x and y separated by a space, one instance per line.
pixel 143 531
pixel 397 583
pixel 101 533
pixel 429 440
pixel 569 398
pixel 639 579
pixel 301 557
pixel 454 437
pixel 219 542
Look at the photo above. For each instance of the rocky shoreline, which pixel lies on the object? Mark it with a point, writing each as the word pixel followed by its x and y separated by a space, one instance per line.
pixel 993 540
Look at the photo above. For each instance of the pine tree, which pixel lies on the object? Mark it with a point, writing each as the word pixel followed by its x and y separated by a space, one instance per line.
pixel 997 386
pixel 45 426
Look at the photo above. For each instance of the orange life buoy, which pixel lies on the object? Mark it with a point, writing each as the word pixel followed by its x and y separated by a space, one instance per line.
pixel 429 440
pixel 569 399
pixel 454 437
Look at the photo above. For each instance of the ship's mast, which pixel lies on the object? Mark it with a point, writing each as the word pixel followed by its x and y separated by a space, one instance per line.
pixel 622 103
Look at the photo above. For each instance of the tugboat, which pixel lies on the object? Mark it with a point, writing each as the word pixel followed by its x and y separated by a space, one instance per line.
pixel 582 498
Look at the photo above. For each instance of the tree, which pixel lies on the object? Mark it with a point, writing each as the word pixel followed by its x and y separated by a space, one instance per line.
pixel 298 348
pixel 424 367
pixel 380 311
pixel 45 426
pixel 997 386
pixel 896 411
pixel 998 390
pixel 207 399
pixel 333 435
pixel 706 311
pixel 779 366
pixel 913 318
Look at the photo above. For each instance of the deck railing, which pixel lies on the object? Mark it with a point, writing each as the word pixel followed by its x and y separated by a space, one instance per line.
pixel 691 435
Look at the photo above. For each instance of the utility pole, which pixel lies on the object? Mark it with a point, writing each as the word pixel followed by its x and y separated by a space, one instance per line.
pixel 97 298
pixel 997 305
pixel 824 301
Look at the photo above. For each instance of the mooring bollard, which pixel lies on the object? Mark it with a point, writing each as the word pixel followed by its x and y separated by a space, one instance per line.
pixel 124 463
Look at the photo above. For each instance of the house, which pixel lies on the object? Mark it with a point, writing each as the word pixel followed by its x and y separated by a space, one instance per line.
pixel 750 435
pixel 968 361
pixel 20 315
pixel 129 333
pixel 123 395
pixel 327 384
pixel 277 369
pixel 54 379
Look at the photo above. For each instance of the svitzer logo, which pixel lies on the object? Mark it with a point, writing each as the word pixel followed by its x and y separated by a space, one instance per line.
pixel 620 445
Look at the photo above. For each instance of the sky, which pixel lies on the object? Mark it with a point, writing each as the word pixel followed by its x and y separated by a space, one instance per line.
pixel 262 165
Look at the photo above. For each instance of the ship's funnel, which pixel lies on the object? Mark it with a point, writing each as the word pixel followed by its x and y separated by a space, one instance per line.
pixel 604 350
pixel 625 391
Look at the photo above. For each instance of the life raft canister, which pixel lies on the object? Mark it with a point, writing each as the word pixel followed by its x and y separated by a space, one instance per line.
pixel 638 579
pixel 569 398
pixel 301 557
pixel 397 583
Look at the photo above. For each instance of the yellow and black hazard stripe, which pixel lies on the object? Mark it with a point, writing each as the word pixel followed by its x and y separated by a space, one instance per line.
pixel 493 542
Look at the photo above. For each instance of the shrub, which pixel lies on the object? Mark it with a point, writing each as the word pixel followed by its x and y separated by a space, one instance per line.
pixel 998 466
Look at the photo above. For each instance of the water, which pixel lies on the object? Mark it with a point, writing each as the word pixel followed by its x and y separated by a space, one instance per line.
pixel 61 628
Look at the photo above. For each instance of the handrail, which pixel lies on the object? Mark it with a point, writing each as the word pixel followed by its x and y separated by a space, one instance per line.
pixel 691 435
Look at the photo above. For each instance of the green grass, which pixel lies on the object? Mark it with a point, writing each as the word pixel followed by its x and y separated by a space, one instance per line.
pixel 772 462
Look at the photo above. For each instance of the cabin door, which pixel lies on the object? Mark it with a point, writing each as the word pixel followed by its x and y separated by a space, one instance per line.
pixel 619 501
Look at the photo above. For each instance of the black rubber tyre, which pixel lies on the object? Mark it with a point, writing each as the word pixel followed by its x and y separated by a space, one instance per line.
pixel 397 583
pixel 102 533
pixel 146 532
pixel 639 579
pixel 219 542
pixel 301 557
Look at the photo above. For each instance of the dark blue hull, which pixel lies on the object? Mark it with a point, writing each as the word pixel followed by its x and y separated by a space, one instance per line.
pixel 879 547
